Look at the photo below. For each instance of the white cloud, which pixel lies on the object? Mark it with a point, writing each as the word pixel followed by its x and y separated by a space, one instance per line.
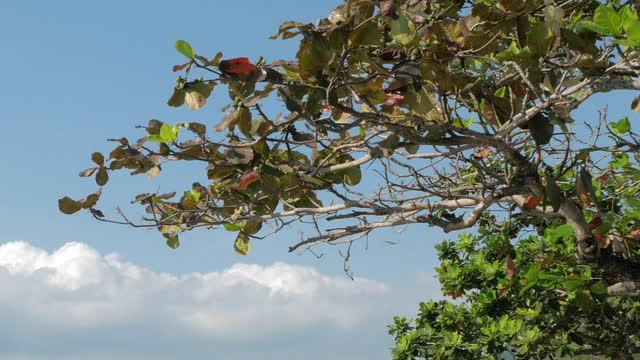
pixel 75 301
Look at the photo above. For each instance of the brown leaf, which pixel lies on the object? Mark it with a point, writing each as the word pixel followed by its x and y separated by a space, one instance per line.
pixel 248 179
pixel 226 121
pixel 102 177
pixel 635 105
pixel 502 291
pixel 177 68
pixel 635 235
pixel 603 178
pixel 238 156
pixel 88 172
pixel 511 266
pixel 602 241
pixel 482 154
pixel 194 100
pixel 97 158
pixel 531 202
pixel 154 172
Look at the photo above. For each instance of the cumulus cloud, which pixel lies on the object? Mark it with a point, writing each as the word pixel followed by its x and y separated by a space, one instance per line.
pixel 76 297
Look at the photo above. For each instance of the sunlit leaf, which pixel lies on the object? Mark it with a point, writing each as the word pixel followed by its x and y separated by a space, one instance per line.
pixel 242 245
pixel 185 49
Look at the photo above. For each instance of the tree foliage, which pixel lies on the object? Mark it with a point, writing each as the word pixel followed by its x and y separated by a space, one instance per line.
pixel 458 113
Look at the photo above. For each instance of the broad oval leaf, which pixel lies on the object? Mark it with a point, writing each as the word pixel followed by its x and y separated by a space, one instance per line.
pixel 185 49
pixel 69 206
pixel 242 245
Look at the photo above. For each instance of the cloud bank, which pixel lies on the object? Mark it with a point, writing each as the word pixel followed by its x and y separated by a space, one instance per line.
pixel 76 303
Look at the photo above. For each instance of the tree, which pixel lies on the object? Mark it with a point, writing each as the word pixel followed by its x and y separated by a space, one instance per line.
pixel 460 112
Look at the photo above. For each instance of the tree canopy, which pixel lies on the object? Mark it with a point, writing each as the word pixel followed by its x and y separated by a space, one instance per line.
pixel 452 114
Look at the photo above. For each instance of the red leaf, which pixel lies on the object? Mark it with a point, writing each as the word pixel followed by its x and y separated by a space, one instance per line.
pixel 603 178
pixel 602 241
pixel 237 66
pixel 511 267
pixel 502 291
pixel 531 202
pixel 248 179
pixel 595 223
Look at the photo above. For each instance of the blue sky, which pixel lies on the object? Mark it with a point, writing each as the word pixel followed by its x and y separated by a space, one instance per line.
pixel 76 73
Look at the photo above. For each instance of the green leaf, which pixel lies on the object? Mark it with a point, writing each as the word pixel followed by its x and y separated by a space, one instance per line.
pixel 599 288
pixel 502 92
pixel 168 133
pixel 621 127
pixel 173 242
pixel 155 138
pixel 530 279
pixel 403 31
pixel 69 206
pixel 242 246
pixel 540 38
pixel 177 98
pixel 606 21
pixel 185 49
pixel 233 227
pixel 573 284
pixel 630 24
pixel 353 176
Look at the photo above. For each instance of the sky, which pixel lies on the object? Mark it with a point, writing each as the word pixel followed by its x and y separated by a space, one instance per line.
pixel 78 72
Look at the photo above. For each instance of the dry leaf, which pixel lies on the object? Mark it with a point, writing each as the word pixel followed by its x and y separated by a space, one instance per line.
pixel 531 202
pixel 635 104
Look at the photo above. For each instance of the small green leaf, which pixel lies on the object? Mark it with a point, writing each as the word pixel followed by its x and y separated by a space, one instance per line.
pixel 242 246
pixel 155 138
pixel 168 133
pixel 233 227
pixel 185 49
pixel 621 127
pixel 573 285
pixel 599 288
pixel 502 92
pixel 173 242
